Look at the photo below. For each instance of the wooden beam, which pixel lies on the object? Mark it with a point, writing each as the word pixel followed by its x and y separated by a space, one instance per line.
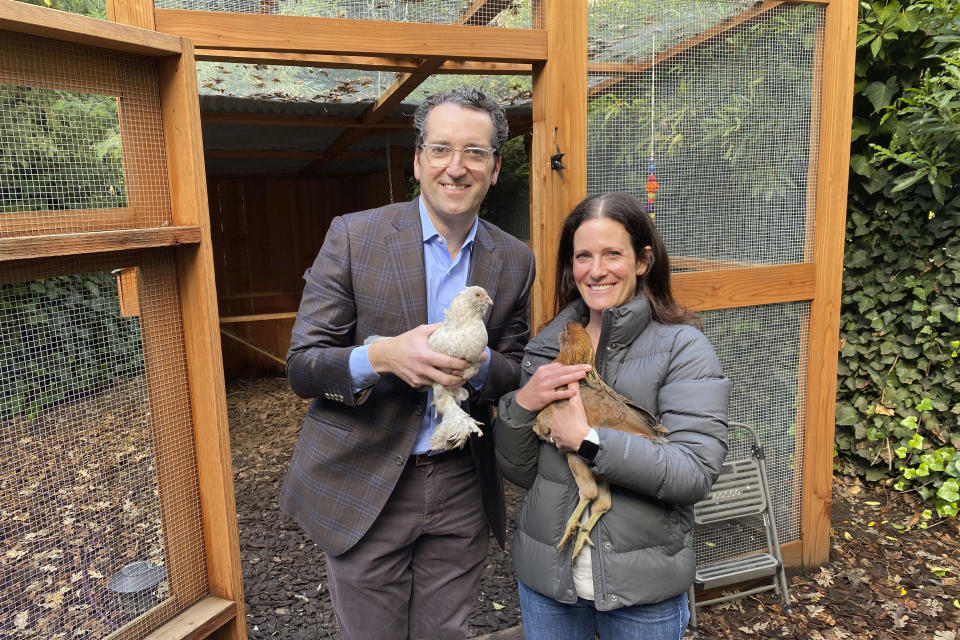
pixel 290 154
pixel 481 12
pixel 389 124
pixel 622 70
pixel 198 621
pixel 257 317
pixel 258 294
pixel 254 347
pixel 339 36
pixel 70 27
pixel 836 115
pixel 559 125
pixel 403 86
pixel 289 120
pixel 366 63
pixel 730 288
pixel 66 244
pixel 188 192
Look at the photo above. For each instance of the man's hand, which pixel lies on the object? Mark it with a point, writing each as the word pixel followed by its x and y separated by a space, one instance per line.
pixel 408 357
pixel 549 383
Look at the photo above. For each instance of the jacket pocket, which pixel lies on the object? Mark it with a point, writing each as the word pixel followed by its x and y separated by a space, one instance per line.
pixel 322 418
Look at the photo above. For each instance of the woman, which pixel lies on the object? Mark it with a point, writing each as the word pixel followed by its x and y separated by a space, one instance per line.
pixel 613 276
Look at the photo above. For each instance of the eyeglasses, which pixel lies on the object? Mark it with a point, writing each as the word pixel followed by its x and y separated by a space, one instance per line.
pixel 440 155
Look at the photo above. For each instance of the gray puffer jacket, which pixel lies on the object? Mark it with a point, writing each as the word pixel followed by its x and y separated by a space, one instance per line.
pixel 643 546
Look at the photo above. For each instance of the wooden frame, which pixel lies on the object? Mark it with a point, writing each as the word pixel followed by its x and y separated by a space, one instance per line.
pixel 555 54
pixel 187 244
pixel 836 120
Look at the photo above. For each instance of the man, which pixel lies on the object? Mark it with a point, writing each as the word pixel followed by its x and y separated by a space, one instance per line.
pixel 405 529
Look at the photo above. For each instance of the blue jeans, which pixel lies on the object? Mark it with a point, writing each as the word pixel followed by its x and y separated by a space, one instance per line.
pixel 546 619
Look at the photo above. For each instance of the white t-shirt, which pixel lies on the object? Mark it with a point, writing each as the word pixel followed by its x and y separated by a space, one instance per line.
pixel 583 566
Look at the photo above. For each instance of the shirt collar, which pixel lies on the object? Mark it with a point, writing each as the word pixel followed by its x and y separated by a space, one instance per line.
pixel 430 231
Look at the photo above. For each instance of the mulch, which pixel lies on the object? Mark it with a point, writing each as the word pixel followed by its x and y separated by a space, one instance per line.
pixel 893 573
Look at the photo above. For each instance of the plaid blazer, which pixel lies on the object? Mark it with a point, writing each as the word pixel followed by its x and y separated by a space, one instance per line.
pixel 369 279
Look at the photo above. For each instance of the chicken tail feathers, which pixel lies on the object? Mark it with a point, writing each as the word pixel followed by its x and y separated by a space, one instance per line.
pixel 455 425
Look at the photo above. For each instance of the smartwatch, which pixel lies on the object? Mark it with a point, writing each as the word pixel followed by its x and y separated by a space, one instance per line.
pixel 590 446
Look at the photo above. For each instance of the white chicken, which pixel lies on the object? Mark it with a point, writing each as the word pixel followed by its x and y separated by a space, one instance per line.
pixel 463 335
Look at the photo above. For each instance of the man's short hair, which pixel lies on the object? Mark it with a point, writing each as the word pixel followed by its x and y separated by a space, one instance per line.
pixel 468 99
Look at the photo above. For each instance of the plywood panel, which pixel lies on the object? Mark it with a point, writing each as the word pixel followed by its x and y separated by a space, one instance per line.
pixel 266 233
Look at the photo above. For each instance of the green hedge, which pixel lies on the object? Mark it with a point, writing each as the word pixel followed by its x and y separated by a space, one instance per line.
pixel 898 400
pixel 62 338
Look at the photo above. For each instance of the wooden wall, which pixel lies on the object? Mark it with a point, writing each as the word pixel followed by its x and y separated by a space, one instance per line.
pixel 266 233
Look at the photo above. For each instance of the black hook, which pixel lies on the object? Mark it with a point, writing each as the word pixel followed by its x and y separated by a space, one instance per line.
pixel 556 160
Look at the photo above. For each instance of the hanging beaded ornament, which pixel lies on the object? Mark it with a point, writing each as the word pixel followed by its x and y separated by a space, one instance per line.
pixel 652 186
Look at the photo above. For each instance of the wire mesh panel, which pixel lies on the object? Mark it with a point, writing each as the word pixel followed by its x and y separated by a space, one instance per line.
pixel 80 139
pixel 496 13
pixel 717 99
pixel 100 527
pixel 289 83
pixel 763 352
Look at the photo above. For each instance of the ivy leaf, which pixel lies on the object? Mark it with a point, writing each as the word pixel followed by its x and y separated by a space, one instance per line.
pixel 949 491
pixel 847 415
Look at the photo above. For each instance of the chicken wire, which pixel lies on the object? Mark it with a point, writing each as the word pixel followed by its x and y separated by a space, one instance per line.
pixel 722 98
pixel 100 529
pixel 495 13
pixel 81 140
pixel 763 352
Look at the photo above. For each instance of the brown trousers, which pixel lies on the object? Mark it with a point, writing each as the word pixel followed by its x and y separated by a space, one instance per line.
pixel 416 572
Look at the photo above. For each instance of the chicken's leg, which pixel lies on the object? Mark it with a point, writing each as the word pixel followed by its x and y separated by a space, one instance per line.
pixel 587 486
pixel 599 507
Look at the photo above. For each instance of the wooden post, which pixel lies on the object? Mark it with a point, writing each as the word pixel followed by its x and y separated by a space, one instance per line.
pixel 198 303
pixel 839 53
pixel 136 13
pixel 559 126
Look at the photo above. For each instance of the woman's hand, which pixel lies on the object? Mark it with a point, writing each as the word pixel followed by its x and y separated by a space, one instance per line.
pixel 551 382
pixel 570 426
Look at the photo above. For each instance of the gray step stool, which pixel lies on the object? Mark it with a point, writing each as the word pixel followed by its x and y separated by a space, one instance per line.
pixel 740 501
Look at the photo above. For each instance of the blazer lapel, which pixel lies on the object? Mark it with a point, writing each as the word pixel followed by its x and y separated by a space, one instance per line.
pixel 406 254
pixel 485 265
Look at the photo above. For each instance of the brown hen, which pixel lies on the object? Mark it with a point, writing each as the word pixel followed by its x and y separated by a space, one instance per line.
pixel 605 409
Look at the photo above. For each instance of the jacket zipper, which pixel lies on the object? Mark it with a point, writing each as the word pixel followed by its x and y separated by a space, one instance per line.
pixel 600 358
pixel 600 362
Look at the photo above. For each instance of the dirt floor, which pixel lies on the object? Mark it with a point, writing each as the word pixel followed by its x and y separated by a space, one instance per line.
pixel 892 575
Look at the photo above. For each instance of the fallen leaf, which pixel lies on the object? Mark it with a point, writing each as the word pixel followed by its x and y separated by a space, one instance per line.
pixel 20 621
pixel 497 606
pixel 882 410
